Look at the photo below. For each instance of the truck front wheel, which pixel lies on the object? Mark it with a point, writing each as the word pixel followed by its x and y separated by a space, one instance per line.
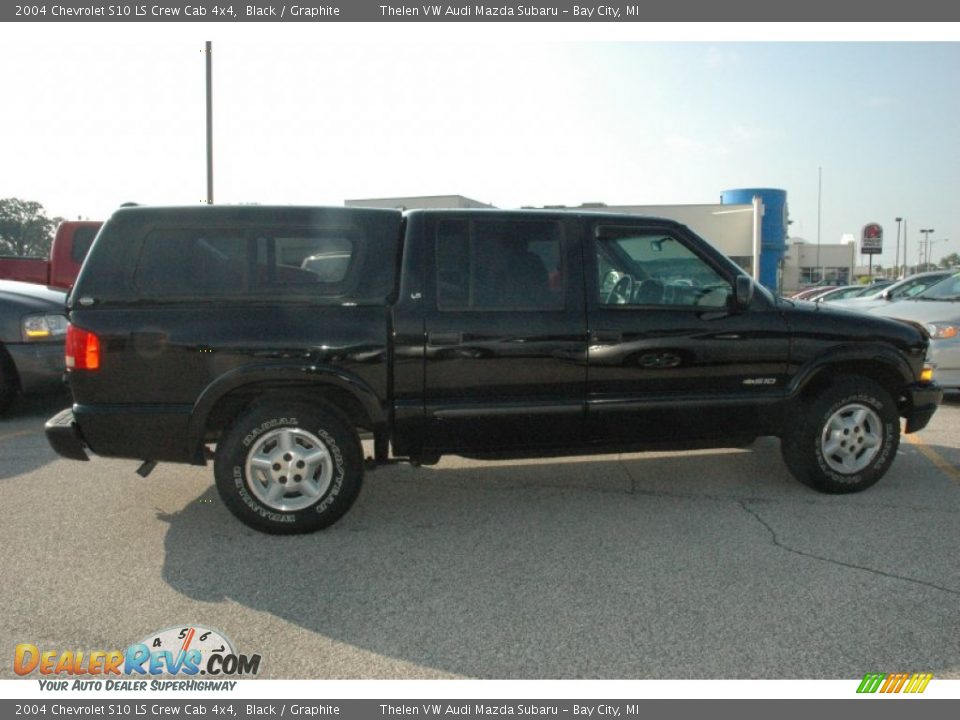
pixel 289 468
pixel 846 439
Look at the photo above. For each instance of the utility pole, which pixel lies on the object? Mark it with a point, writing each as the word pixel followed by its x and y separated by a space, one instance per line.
pixel 819 205
pixel 209 52
pixel 896 262
pixel 906 266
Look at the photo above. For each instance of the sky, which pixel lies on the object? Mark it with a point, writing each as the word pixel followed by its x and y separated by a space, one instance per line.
pixel 509 119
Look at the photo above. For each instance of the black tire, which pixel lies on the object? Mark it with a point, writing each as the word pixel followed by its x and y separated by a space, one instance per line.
pixel 843 460
pixel 257 463
pixel 9 386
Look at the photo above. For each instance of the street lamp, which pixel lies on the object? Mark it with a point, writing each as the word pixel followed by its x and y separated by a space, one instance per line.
pixel 896 260
pixel 926 238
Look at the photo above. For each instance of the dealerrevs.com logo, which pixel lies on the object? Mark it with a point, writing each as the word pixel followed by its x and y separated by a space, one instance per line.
pixel 180 651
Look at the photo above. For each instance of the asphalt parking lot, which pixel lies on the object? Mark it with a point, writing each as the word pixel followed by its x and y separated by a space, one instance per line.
pixel 711 564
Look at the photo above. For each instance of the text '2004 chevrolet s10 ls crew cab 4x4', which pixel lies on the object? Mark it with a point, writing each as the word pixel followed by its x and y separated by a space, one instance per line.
pixel 277 334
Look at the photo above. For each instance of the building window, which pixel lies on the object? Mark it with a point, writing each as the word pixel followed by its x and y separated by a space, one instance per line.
pixel 830 275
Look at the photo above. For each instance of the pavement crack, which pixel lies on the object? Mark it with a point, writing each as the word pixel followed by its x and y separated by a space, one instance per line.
pixel 777 542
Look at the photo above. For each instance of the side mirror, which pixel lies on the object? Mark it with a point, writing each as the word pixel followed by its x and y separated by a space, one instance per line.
pixel 742 292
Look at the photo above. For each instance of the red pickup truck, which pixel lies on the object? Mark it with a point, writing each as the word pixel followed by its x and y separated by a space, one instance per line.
pixel 69 248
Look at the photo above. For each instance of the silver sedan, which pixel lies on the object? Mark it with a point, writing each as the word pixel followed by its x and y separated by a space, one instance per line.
pixel 938 310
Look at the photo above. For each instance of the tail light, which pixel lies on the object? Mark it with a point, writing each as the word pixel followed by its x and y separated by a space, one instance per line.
pixel 82 349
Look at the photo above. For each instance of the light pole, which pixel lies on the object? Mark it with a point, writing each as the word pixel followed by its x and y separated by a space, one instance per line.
pixel 896 261
pixel 209 88
pixel 926 238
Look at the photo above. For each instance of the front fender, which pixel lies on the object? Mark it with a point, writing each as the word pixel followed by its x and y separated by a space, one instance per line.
pixel 863 359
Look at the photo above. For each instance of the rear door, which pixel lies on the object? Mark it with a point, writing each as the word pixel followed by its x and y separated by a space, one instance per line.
pixel 505 332
pixel 669 357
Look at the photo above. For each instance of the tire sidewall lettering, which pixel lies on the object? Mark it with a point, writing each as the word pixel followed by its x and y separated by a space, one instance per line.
pixel 250 437
pixel 882 457
pixel 337 485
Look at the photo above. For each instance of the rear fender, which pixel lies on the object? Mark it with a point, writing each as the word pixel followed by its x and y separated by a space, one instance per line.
pixel 278 377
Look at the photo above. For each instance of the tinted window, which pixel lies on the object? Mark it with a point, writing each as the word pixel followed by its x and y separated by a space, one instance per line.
pixel 224 263
pixel 497 264
pixel 192 262
pixel 641 267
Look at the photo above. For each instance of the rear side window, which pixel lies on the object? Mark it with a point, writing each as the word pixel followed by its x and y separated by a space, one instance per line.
pixel 499 264
pixel 228 263
pixel 82 240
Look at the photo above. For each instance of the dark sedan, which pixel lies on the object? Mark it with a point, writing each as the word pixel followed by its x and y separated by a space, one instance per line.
pixel 32 330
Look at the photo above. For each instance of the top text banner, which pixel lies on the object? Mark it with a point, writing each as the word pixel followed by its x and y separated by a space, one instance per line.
pixel 379 11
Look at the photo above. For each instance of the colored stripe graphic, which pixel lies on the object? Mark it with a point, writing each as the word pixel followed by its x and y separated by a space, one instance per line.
pixel 914 683
pixel 871 682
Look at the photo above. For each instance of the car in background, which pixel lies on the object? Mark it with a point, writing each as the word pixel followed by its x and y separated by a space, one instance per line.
pixel 840 293
pixel 33 326
pixel 812 291
pixel 900 290
pixel 938 309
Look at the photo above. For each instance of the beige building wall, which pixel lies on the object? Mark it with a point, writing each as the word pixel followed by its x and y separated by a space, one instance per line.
pixel 836 262
pixel 729 228
pixel 432 202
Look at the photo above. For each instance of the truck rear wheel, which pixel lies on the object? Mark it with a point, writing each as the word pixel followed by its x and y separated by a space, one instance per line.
pixel 289 468
pixel 845 439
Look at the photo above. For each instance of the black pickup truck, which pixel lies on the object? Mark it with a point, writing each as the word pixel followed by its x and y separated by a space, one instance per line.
pixel 269 338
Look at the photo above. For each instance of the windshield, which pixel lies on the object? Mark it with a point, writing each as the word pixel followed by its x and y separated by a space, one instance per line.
pixel 946 289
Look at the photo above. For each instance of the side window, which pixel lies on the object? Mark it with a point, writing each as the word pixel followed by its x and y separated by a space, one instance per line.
pixel 192 262
pixel 226 263
pixel 286 259
pixel 647 267
pixel 499 264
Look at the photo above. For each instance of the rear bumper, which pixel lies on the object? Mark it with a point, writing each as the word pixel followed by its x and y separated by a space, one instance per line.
pixel 922 402
pixel 64 436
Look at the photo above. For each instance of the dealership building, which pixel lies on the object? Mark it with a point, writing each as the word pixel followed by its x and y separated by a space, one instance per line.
pixel 749 225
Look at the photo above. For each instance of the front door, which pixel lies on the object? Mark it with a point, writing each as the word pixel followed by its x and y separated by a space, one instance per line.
pixel 670 357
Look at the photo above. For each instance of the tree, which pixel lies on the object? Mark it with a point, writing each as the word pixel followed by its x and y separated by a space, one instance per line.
pixel 951 260
pixel 25 228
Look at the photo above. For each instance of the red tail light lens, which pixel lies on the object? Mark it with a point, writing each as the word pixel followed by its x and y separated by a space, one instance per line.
pixel 82 350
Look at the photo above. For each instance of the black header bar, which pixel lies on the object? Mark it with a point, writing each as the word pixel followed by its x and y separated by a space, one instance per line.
pixel 856 11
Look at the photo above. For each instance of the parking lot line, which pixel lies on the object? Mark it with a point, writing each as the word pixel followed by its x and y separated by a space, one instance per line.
pixel 933 456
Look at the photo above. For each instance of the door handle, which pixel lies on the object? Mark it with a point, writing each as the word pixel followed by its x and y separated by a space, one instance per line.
pixel 439 338
pixel 606 336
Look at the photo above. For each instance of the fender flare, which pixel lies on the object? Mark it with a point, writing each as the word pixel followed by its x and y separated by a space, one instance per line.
pixel 294 374
pixel 876 354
